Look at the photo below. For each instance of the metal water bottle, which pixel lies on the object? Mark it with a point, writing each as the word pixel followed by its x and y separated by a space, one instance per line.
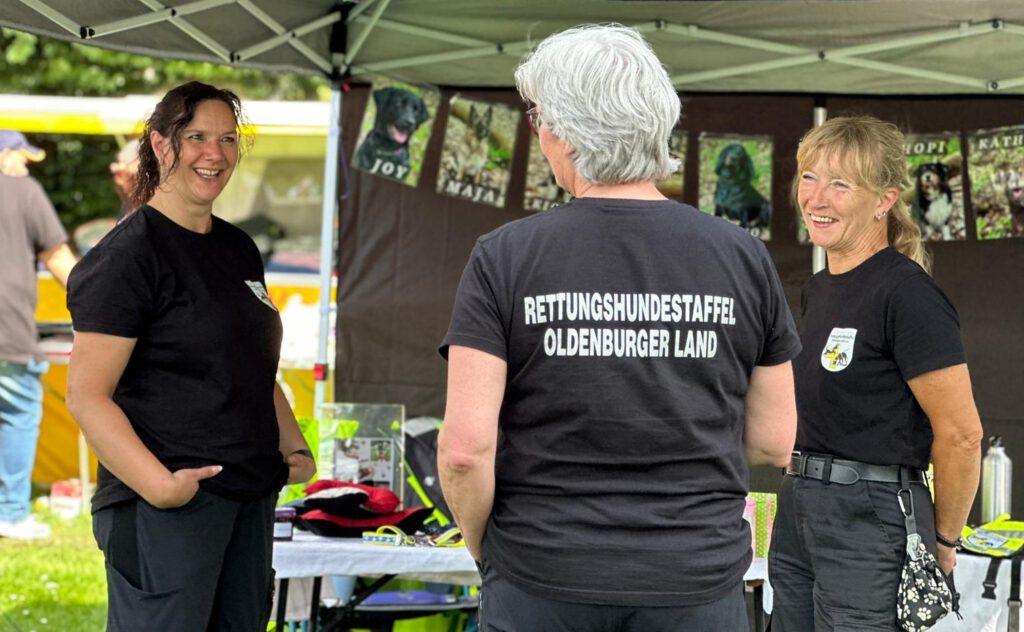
pixel 996 481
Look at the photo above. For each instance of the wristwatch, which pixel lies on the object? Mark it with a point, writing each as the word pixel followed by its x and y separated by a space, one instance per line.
pixel 953 544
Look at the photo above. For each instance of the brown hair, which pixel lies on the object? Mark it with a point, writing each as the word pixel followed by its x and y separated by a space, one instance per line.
pixel 872 154
pixel 172 115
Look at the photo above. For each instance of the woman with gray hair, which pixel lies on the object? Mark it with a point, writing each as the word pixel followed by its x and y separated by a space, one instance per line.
pixel 614 365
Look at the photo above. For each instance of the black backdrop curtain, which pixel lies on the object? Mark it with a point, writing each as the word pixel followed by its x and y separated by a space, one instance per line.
pixel 402 250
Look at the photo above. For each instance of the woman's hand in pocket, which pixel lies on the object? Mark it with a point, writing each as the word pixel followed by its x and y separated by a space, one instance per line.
pixel 181 487
pixel 946 557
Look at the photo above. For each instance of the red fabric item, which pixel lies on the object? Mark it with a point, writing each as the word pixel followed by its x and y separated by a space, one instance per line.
pixel 339 501
pixel 322 523
pixel 380 500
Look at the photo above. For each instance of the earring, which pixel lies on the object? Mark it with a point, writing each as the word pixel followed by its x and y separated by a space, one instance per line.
pixel 880 216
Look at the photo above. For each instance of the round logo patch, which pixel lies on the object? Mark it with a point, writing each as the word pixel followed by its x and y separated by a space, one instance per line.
pixel 838 351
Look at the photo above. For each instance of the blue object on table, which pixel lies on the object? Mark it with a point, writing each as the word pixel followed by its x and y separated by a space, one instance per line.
pixel 408 598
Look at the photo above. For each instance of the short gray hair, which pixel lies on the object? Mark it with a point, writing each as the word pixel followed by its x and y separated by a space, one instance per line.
pixel 602 90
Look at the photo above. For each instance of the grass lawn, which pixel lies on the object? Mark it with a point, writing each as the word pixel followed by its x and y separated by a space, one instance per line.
pixel 59 585
pixel 54 585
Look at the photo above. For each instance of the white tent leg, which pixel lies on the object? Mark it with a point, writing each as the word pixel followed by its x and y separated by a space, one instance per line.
pixel 818 258
pixel 328 230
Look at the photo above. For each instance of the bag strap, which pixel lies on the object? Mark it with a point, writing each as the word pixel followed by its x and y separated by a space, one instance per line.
pixel 914 538
pixel 990 578
pixel 906 499
pixel 954 596
pixel 1013 620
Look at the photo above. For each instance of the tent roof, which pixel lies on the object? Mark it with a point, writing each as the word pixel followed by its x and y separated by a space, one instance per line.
pixel 816 46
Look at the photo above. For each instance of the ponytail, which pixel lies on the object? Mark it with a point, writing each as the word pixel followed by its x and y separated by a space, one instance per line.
pixel 905 235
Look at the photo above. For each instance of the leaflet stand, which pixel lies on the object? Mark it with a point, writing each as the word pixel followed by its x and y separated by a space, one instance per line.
pixel 363 443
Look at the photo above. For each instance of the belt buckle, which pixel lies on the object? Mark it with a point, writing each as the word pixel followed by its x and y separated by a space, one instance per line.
pixel 801 471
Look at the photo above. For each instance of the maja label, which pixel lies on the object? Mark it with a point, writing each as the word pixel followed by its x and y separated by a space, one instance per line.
pixel 476 157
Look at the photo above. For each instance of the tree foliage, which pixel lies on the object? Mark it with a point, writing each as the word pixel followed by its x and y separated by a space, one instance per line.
pixel 39 65
pixel 76 176
pixel 75 173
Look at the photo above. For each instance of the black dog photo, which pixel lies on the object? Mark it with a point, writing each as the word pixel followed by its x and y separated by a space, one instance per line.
pixel 397 114
pixel 727 165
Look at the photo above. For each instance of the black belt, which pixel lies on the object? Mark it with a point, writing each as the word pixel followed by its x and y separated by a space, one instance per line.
pixel 829 469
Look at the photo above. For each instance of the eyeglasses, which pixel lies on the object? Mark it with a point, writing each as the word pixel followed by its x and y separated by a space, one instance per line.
pixel 533 119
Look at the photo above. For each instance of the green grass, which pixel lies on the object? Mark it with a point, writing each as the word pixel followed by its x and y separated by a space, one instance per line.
pixel 54 585
pixel 59 585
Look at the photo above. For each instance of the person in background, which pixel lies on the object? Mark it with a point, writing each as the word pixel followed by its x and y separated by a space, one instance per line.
pixel 172 379
pixel 29 232
pixel 614 366
pixel 124 172
pixel 881 385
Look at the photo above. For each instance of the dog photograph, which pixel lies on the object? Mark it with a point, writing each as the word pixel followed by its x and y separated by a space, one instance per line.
pixel 395 131
pixel 935 195
pixel 996 172
pixel 735 178
pixel 542 192
pixel 476 156
pixel 672 186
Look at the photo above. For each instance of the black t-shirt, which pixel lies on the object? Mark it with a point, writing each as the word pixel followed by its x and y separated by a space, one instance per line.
pixel 630 329
pixel 198 388
pixel 865 333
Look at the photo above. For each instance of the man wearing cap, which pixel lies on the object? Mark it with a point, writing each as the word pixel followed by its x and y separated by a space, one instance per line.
pixel 29 231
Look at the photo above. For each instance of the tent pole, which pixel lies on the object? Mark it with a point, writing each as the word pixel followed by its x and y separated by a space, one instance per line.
pixel 818 259
pixel 54 16
pixel 328 229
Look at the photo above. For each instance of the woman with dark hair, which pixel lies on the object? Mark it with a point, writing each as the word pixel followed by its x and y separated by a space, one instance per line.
pixel 172 379
pixel 882 388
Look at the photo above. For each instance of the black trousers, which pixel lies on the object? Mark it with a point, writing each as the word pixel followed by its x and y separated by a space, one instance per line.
pixel 504 607
pixel 836 554
pixel 203 566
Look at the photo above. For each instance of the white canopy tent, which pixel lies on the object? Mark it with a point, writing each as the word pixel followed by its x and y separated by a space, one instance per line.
pixel 839 46
pixel 809 46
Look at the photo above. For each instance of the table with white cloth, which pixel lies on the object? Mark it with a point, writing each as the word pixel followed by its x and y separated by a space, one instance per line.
pixel 313 557
pixel 980 614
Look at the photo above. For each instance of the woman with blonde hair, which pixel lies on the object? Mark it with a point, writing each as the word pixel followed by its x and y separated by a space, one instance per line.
pixel 882 389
